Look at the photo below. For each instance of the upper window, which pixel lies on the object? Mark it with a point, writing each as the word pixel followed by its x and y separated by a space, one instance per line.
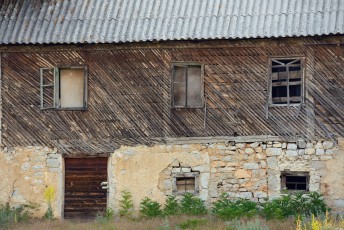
pixel 286 81
pixel 187 85
pixel 64 88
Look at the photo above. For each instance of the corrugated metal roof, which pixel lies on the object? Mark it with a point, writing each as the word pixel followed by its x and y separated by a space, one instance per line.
pixel 108 21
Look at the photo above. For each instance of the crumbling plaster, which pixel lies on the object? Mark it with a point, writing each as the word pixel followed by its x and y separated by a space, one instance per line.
pixel 242 170
pixel 25 173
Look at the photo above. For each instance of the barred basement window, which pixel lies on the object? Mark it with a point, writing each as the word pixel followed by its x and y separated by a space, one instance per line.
pixel 295 181
pixel 63 88
pixel 187 85
pixel 286 81
pixel 185 183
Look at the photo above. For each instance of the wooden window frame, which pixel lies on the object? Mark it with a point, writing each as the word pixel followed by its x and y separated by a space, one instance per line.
pixel 302 67
pixel 287 173
pixel 187 64
pixel 185 175
pixel 56 88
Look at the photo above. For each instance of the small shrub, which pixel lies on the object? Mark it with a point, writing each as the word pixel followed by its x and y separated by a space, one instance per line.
pixel 12 215
pixel 226 209
pixel 191 205
pixel 278 208
pixel 192 223
pixel 317 205
pixel 172 207
pixel 150 208
pixel 126 204
pixel 295 205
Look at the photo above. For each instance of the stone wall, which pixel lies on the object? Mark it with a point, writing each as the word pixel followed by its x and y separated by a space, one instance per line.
pixel 243 170
pixel 26 172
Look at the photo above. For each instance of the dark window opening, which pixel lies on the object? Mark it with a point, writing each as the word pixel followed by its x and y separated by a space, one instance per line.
pixel 187 86
pixel 298 181
pixel 286 81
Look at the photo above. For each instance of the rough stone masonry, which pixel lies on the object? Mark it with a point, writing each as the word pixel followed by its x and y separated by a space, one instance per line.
pixel 242 170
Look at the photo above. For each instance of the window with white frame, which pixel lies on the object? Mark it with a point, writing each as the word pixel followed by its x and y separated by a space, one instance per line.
pixel 63 88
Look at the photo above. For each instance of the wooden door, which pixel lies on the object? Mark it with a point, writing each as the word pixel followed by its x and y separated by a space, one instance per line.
pixel 84 197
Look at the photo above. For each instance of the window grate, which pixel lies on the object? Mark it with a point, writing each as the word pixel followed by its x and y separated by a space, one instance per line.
pixel 295 181
pixel 286 81
pixel 185 184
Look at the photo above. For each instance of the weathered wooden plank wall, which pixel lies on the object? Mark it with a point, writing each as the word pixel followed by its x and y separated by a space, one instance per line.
pixel 129 95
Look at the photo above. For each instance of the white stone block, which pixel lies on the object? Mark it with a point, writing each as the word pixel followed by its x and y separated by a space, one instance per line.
pixel 254 144
pixel 314 187
pixel 260 194
pixel 227 158
pixel 329 152
pixel 249 150
pixel 204 179
pixel 186 170
pixel 272 162
pixel 277 145
pixel 251 166
pixel 175 170
pixel 319 145
pixel 301 152
pixel 327 144
pixel 291 153
pixel 244 195
pixel 319 152
pixel 309 145
pixel 291 146
pixel 273 151
pixel 309 151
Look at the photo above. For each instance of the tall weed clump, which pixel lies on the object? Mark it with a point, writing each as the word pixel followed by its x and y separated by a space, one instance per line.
pixel 150 208
pixel 126 205
pixel 295 205
pixel 12 215
pixel 227 209
pixel 172 207
pixel 192 205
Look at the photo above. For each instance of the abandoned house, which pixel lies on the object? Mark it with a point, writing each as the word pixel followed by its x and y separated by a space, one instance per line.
pixel 159 98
